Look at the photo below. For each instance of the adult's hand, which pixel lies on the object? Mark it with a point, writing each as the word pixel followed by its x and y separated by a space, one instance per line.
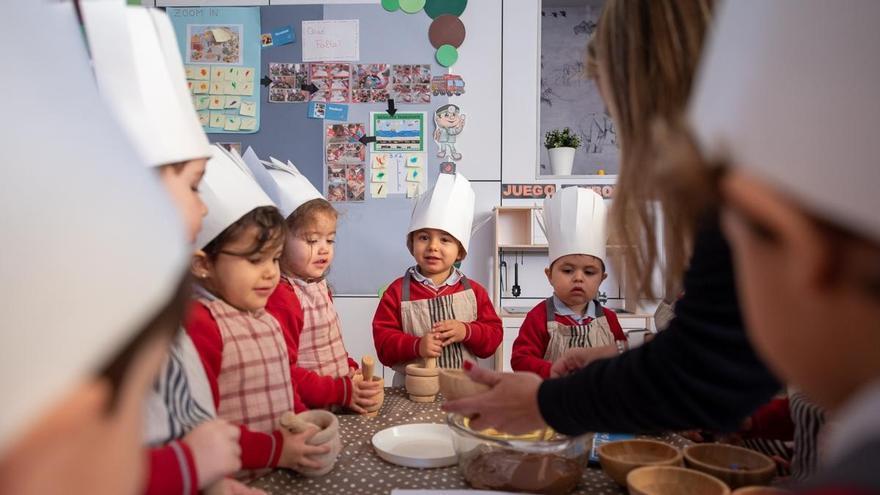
pixel 510 406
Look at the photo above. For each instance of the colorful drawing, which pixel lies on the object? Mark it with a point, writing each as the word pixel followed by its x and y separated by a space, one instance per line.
pixel 450 123
pixel 214 44
pixel 402 132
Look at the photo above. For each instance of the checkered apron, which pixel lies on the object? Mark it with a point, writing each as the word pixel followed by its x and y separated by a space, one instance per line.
pixel 418 317
pixel 596 333
pixel 320 344
pixel 254 383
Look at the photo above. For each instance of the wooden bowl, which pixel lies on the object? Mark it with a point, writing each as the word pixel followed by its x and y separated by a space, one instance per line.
pixel 619 458
pixel 760 490
pixel 455 384
pixel 736 466
pixel 670 480
pixel 421 383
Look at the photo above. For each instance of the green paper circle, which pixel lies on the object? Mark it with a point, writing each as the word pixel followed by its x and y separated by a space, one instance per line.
pixel 412 6
pixel 436 8
pixel 447 55
pixel 391 5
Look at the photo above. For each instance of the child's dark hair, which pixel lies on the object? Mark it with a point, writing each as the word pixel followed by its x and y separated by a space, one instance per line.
pixel 306 214
pixel 270 232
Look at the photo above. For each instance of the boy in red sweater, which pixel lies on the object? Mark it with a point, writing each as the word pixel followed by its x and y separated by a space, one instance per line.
pixel 572 318
pixel 434 311
pixel 322 369
pixel 243 348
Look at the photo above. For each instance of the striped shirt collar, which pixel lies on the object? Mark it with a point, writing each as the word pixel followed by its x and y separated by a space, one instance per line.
pixel 453 279
pixel 561 309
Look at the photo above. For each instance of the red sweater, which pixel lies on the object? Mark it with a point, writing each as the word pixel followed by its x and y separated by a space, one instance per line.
pixel 530 346
pixel 772 421
pixel 393 346
pixel 258 450
pixel 172 470
pixel 316 391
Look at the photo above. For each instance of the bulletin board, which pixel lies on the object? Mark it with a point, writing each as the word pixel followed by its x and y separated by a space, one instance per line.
pixel 371 233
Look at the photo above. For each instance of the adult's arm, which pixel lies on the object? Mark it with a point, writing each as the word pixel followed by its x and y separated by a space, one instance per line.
pixel 701 372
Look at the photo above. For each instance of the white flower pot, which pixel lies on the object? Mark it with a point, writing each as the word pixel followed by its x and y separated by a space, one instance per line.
pixel 561 160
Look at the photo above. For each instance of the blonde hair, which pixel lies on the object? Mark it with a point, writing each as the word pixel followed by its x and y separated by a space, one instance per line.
pixel 647 52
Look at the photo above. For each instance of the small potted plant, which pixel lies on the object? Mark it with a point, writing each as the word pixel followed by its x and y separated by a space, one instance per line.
pixel 561 144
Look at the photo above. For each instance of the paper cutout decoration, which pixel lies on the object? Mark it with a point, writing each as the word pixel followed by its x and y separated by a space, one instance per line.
pixel 446 30
pixel 412 6
pixel 447 85
pixel 449 123
pixel 435 8
pixel 391 6
pixel 447 55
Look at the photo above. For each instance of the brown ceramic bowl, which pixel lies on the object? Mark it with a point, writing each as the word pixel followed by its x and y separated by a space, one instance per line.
pixel 736 466
pixel 455 384
pixel 619 458
pixel 670 480
pixel 759 490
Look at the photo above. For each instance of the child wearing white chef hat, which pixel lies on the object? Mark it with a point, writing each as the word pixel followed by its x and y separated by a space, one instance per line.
pixel 434 311
pixel 245 350
pixel 787 98
pixel 324 370
pixel 572 318
pixel 92 271
pixel 140 74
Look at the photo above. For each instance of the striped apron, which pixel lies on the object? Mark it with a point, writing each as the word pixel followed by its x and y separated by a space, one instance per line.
pixel 254 384
pixel 320 343
pixel 419 317
pixel 596 333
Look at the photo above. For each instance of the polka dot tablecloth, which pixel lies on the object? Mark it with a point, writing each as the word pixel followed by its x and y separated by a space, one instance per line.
pixel 360 471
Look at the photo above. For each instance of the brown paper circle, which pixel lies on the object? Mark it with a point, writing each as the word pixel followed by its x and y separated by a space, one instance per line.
pixel 446 30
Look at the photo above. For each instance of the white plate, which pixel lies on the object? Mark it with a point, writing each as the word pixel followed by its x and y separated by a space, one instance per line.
pixel 418 445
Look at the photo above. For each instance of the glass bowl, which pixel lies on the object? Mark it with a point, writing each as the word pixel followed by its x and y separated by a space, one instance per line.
pixel 541 462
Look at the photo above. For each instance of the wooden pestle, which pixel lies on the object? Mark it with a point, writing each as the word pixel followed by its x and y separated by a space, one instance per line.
pixel 430 363
pixel 293 423
pixel 367 366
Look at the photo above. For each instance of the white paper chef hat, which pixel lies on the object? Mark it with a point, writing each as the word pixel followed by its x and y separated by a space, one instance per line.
pixel 284 183
pixel 575 223
pixel 230 191
pixel 94 248
pixel 449 206
pixel 788 90
pixel 145 88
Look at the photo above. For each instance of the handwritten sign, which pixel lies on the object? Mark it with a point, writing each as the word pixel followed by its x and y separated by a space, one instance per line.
pixel 331 41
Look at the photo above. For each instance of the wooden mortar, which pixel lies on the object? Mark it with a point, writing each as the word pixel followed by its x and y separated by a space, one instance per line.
pixel 328 434
pixel 422 382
